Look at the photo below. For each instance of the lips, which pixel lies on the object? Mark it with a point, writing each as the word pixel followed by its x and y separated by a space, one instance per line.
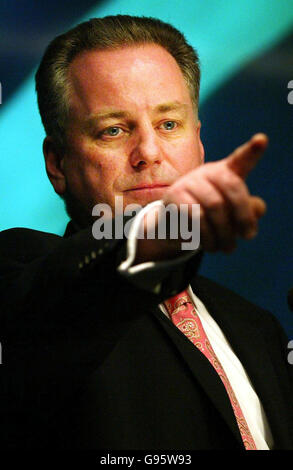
pixel 144 186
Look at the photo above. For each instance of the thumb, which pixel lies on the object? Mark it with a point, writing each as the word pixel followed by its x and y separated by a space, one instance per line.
pixel 245 157
pixel 258 206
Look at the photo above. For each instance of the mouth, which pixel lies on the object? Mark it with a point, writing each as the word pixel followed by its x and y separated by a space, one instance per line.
pixel 148 186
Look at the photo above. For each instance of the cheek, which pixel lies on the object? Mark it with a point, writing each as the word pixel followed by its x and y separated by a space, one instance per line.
pixel 101 174
pixel 188 157
pixel 87 162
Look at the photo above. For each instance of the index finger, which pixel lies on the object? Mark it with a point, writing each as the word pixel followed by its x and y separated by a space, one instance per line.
pixel 245 157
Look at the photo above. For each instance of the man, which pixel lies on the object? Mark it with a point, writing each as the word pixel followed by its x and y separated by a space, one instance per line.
pixel 93 360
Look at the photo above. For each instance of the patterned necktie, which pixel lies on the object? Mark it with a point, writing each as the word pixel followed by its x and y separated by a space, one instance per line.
pixel 184 316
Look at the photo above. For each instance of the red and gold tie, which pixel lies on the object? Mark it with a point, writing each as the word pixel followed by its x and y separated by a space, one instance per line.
pixel 184 316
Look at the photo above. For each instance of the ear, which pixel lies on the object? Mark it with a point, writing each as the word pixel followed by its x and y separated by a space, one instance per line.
pixel 54 160
pixel 201 147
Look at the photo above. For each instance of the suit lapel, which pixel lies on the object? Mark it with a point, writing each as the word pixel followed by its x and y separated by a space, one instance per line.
pixel 248 343
pixel 202 371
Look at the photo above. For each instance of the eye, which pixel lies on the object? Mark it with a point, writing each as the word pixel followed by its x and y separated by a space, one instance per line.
pixel 112 131
pixel 169 125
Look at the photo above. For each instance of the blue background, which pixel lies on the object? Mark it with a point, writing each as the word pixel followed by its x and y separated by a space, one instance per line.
pixel 246 51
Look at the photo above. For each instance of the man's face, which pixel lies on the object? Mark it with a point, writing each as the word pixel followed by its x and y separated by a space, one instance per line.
pixel 132 129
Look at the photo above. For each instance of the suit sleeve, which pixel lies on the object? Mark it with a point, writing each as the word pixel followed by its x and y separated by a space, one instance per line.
pixel 75 290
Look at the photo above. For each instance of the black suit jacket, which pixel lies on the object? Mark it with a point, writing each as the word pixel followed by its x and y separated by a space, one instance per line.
pixel 90 362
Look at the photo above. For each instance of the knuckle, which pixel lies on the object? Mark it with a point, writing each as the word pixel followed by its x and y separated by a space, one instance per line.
pixel 245 215
pixel 247 218
pixel 214 203
pixel 231 181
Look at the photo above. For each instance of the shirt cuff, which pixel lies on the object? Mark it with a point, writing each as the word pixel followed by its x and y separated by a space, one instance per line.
pixel 148 274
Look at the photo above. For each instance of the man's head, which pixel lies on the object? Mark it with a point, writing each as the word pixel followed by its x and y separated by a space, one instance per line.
pixel 118 98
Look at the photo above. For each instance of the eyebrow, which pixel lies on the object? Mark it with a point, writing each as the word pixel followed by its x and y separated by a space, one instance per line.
pixel 172 106
pixel 91 122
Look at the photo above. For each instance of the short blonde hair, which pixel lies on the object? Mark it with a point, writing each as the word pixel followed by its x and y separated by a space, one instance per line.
pixel 110 32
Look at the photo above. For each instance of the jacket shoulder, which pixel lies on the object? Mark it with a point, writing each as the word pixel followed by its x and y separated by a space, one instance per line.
pixel 221 299
pixel 23 244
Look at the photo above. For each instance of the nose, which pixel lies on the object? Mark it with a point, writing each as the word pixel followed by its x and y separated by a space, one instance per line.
pixel 146 148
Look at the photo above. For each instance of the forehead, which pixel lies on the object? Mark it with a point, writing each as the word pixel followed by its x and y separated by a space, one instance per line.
pixel 130 78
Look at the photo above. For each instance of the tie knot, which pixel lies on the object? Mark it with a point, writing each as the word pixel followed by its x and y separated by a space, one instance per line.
pixel 177 300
